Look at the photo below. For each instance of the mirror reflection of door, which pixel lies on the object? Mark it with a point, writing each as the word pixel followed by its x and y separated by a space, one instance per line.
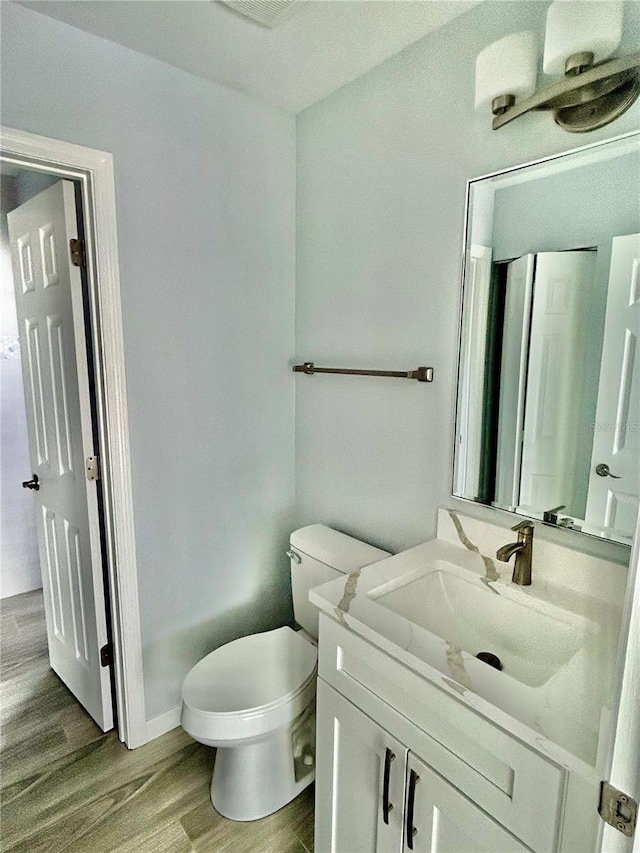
pixel 549 454
pixel 518 299
pixel 614 481
pixel 472 357
pixel 548 409
pixel 543 382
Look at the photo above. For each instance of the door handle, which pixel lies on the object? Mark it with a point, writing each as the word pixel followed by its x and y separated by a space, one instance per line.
pixel 31 484
pixel 411 830
pixel 386 805
pixel 602 470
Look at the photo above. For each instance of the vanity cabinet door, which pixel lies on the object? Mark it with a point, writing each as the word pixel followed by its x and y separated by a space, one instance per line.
pixel 439 819
pixel 360 773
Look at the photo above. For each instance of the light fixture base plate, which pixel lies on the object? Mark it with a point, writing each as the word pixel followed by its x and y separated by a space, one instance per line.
pixel 575 101
pixel 582 118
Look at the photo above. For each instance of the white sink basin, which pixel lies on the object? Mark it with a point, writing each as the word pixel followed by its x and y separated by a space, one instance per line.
pixel 532 639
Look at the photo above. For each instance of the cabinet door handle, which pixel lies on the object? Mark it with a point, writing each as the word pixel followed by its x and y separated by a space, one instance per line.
pixel 411 830
pixel 386 805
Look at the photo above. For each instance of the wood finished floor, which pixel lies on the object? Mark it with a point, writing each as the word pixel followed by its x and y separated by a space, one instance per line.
pixel 66 786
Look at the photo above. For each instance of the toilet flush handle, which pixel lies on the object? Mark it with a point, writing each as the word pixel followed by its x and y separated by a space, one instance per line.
pixel 295 557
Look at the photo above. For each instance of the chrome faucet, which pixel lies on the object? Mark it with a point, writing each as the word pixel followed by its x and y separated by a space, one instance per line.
pixel 523 549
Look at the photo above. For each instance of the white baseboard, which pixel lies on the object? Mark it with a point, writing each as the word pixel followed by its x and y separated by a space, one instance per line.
pixel 163 723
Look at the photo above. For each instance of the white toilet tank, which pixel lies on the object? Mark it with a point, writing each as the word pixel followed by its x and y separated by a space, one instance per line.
pixel 319 554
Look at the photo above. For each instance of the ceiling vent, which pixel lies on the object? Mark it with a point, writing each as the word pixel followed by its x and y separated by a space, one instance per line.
pixel 268 13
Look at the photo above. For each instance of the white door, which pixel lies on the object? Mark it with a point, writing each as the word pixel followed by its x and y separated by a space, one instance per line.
pixel 360 773
pixel 472 355
pixel 55 371
pixel 612 503
pixel 513 380
pixel 439 819
pixel 555 380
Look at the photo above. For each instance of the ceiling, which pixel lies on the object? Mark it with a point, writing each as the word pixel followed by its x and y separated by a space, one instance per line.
pixel 319 47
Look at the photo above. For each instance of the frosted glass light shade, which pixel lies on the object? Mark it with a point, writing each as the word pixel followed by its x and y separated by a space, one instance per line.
pixel 507 67
pixel 576 26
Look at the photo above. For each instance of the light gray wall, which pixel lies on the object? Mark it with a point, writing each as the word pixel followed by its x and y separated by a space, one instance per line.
pixel 382 168
pixel 29 184
pixel 205 185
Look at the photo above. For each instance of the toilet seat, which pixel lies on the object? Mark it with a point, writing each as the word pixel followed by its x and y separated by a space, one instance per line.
pixel 249 687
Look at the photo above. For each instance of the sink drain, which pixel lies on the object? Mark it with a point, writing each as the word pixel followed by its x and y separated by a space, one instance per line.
pixel 490 658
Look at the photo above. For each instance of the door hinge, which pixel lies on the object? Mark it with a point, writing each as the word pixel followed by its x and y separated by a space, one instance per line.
pixel 618 809
pixel 105 655
pixel 78 257
pixel 93 468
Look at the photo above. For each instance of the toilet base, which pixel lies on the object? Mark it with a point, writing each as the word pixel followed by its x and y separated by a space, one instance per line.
pixel 253 781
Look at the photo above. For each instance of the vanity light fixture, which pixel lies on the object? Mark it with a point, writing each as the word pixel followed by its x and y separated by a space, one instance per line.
pixel 580 37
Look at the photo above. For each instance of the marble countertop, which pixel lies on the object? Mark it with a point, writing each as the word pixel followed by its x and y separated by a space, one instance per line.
pixel 567 716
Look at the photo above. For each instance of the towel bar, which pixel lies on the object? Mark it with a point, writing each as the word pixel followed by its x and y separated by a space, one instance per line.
pixel 422 374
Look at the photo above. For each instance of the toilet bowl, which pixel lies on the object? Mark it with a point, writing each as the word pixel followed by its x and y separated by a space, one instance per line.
pixel 249 699
pixel 254 698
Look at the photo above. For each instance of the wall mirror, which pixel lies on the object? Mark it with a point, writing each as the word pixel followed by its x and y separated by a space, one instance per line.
pixel 548 407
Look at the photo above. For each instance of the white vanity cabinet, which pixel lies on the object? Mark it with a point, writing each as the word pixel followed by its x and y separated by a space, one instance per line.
pixel 442 820
pixel 361 769
pixel 389 741
pixel 375 796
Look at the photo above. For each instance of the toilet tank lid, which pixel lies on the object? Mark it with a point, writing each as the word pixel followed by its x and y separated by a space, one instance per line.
pixel 335 549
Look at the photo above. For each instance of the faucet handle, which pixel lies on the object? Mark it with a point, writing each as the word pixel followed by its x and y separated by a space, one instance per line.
pixel 525 526
pixel 551 515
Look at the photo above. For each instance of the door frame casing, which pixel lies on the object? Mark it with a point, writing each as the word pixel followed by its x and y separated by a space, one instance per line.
pixel 622 765
pixel 94 171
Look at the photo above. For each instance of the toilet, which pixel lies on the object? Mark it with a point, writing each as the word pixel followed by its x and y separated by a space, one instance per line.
pixel 254 698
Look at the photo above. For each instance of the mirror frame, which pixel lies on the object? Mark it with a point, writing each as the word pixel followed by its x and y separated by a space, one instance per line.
pixel 630 135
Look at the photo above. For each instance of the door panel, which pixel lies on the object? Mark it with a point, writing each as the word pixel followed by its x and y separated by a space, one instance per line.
pixel 513 380
pixel 472 359
pixel 612 505
pixel 555 380
pixel 50 313
pixel 445 821
pixel 350 775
